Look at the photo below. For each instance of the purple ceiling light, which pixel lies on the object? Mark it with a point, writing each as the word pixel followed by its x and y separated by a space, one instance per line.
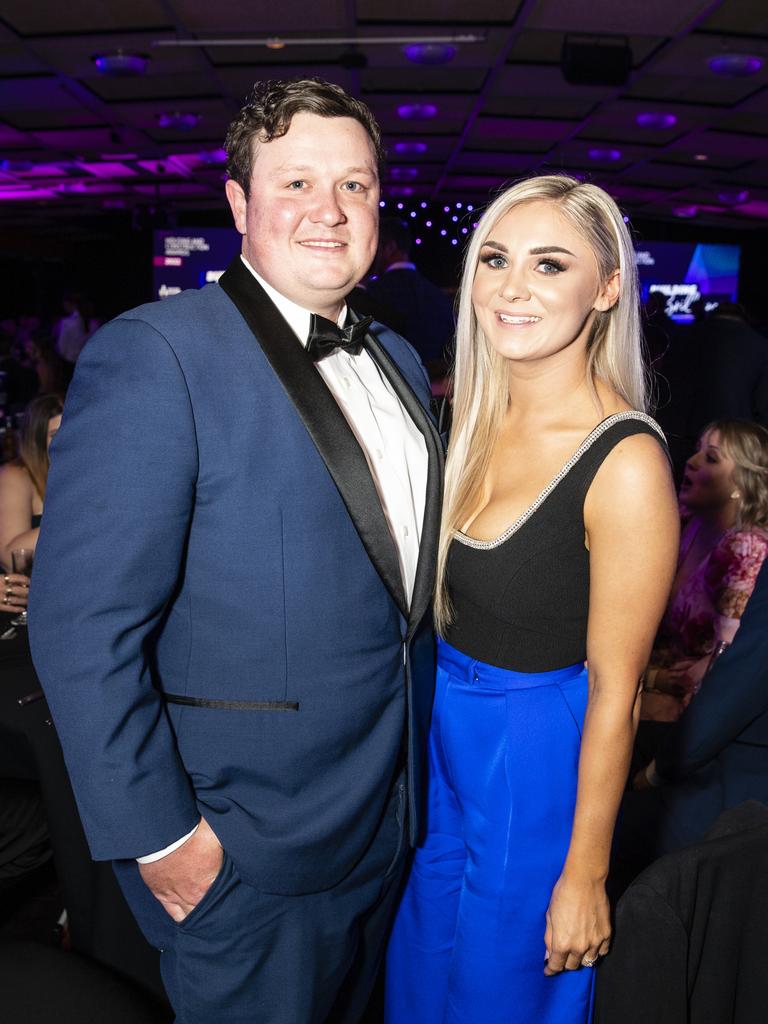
pixel 655 119
pixel 121 63
pixel 685 211
pixel 410 148
pixel 213 156
pixel 733 196
pixel 404 173
pixel 604 154
pixel 178 121
pixel 735 65
pixel 430 53
pixel 417 111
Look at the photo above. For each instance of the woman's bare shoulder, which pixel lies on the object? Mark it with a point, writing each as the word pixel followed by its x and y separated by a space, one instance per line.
pixel 13 476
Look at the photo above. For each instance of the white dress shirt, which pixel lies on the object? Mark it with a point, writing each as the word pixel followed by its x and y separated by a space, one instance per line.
pixel 392 443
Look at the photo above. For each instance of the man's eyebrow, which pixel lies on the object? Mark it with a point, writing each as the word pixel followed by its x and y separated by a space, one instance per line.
pixel 539 250
pixel 301 168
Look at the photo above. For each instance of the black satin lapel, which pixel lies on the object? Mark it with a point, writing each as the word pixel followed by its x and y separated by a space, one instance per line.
pixel 430 531
pixel 324 421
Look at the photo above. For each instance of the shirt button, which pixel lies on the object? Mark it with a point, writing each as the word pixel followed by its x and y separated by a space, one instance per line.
pixel 379 453
pixel 347 382
pixel 405 531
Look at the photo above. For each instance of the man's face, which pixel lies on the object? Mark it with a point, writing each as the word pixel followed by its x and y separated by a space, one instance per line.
pixel 310 224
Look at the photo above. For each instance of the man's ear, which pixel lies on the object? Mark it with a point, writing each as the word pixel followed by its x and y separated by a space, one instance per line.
pixel 609 293
pixel 237 204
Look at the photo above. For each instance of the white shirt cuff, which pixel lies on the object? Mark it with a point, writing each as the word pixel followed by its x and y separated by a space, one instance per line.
pixel 151 857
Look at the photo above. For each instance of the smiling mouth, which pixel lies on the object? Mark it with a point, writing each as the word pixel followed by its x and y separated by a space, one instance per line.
pixel 318 243
pixel 518 321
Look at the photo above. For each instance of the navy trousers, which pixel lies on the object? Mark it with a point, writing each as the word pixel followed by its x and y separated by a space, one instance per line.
pixel 468 941
pixel 243 956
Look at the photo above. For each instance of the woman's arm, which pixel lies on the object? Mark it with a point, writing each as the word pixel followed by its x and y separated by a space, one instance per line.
pixel 16 494
pixel 631 520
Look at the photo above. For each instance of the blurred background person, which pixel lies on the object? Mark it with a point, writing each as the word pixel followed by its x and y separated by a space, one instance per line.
pixel 74 327
pixel 714 758
pixel 725 493
pixel 52 371
pixel 715 368
pixel 419 310
pixel 22 493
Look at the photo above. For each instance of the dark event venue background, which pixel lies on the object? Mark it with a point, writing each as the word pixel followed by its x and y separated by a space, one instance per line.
pixel 112 118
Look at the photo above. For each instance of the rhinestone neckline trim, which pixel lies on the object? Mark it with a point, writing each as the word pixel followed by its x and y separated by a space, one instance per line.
pixel 586 444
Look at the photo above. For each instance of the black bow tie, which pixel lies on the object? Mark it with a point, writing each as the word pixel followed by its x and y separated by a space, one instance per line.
pixel 325 337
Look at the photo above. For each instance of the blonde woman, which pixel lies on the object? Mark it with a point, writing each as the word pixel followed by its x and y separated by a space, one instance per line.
pixel 723 547
pixel 558 546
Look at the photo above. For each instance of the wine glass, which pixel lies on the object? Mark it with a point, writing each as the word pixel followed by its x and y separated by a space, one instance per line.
pixel 22 559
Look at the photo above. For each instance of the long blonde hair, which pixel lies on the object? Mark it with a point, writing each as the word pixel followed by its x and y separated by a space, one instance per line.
pixel 480 378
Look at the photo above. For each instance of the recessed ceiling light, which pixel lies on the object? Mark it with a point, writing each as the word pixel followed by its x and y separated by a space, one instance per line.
pixel 178 121
pixel 430 53
pixel 121 63
pixel 733 196
pixel 275 44
pixel 410 148
pixel 404 173
pixel 655 119
pixel 701 157
pixel 735 65
pixel 417 111
pixel 685 211
pixel 604 154
pixel 213 156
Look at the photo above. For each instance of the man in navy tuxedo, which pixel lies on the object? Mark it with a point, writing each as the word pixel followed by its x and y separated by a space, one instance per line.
pixel 230 610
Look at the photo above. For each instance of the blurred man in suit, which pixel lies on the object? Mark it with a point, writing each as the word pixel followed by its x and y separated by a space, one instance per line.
pixel 421 311
pixel 715 756
pixel 715 369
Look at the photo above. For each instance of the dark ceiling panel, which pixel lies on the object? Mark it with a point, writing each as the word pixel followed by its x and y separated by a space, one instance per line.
pixel 502 106
pixel 31 18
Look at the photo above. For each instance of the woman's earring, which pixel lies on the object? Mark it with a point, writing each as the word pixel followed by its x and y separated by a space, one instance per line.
pixel 735 495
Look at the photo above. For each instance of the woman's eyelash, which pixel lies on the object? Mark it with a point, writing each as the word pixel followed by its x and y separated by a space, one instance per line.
pixel 553 263
pixel 489 257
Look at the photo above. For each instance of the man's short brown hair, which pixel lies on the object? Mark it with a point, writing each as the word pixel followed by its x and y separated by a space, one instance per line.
pixel 270 108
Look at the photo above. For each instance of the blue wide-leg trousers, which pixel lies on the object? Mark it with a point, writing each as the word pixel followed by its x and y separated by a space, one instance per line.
pixel 468 942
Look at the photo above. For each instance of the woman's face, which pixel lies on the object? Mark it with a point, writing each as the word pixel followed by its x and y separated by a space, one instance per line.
pixel 708 481
pixel 537 284
pixel 53 425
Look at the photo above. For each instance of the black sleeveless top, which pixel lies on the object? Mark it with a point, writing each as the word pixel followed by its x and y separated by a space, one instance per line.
pixel 521 601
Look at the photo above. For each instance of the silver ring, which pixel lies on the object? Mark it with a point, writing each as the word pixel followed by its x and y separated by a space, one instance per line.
pixel 589 963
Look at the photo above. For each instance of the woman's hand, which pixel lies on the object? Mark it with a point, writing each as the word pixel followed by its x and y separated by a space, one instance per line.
pixel 15 593
pixel 578 925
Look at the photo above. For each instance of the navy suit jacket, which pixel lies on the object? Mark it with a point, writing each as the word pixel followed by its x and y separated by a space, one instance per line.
pixel 212 532
pixel 716 756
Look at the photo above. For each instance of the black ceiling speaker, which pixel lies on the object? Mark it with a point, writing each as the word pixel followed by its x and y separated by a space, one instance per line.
pixel 596 60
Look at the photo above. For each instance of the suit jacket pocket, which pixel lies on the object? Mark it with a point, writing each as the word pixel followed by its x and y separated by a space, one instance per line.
pixel 231 705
